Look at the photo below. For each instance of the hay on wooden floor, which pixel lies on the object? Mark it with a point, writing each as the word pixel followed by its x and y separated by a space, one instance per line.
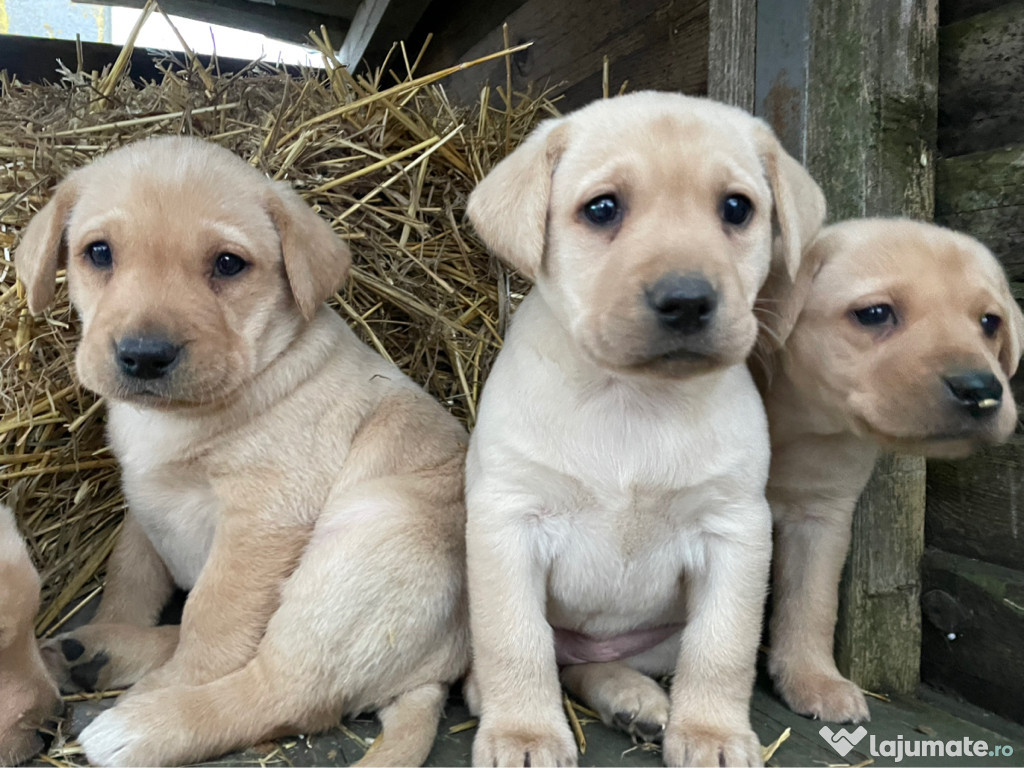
pixel 387 160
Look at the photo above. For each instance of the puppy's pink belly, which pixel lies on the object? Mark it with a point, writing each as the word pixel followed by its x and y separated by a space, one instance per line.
pixel 577 648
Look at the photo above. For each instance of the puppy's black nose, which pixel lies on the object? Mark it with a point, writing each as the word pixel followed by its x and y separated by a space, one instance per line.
pixel 683 303
pixel 146 358
pixel 978 391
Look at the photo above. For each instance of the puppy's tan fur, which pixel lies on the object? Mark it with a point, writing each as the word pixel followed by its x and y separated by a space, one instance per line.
pixel 612 484
pixel 840 392
pixel 304 490
pixel 30 699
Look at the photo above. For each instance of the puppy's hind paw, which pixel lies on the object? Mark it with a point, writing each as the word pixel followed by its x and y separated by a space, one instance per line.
pixel 640 709
pixel 74 666
pixel 102 657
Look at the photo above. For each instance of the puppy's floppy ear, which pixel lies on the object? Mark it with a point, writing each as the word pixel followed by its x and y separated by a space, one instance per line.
pixel 316 260
pixel 509 208
pixel 1010 352
pixel 799 210
pixel 42 247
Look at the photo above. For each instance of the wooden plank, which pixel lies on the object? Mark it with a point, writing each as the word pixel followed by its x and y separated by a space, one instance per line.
pixel 951 11
pixel 357 39
pixel 457 27
pixel 276 21
pixel 732 44
pixel 396 25
pixel 871 106
pixel 981 60
pixel 651 43
pixel 976 505
pixel 34 59
pixel 982 606
pixel 783 38
pixel 983 195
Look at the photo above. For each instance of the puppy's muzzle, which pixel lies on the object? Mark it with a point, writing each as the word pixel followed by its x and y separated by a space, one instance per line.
pixel 683 303
pixel 146 357
pixel 978 392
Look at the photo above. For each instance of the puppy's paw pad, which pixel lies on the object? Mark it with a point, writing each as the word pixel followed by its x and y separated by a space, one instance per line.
pixel 71 648
pixel 74 664
pixel 834 699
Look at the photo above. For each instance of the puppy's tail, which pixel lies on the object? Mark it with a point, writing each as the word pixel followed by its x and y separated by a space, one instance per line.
pixel 408 727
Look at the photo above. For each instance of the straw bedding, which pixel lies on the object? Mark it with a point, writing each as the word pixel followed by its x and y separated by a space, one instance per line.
pixel 387 160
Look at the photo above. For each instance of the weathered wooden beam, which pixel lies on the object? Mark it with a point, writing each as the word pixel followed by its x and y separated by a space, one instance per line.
pixel 281 22
pixel 732 45
pixel 976 505
pixel 974 622
pixel 956 10
pixel 651 43
pixel 358 37
pixel 980 69
pixel 983 194
pixel 396 24
pixel 34 59
pixel 457 27
pixel 854 84
pixel 872 81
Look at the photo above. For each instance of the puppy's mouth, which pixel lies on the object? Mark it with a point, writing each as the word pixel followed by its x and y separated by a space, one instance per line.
pixel 163 395
pixel 941 443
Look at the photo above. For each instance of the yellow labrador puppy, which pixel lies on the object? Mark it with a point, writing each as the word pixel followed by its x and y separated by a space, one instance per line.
pixel 29 699
pixel 618 527
pixel 306 491
pixel 906 340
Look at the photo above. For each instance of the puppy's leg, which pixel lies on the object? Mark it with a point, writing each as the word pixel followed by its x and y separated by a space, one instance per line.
pixel 138 583
pixel 227 611
pixel 357 626
pixel 809 553
pixel 408 726
pixel 521 717
pixel 710 718
pixel 623 697
pixel 120 645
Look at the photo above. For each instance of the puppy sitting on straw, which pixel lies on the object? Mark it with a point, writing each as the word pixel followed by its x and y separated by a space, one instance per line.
pixel 618 527
pixel 306 491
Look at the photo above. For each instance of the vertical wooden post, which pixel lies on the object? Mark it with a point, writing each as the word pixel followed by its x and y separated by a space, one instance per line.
pixel 732 43
pixel 851 87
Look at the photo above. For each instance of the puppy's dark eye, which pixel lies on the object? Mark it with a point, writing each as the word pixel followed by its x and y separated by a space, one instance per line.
pixel 228 265
pixel 736 210
pixel 990 324
pixel 602 210
pixel 876 315
pixel 99 254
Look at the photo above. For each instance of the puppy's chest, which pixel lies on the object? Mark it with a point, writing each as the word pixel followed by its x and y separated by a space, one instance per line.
pixel 170 495
pixel 620 556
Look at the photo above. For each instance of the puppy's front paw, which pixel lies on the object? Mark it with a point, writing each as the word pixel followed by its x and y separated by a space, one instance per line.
pixel 695 745
pixel 531 744
pixel 144 730
pixel 825 697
